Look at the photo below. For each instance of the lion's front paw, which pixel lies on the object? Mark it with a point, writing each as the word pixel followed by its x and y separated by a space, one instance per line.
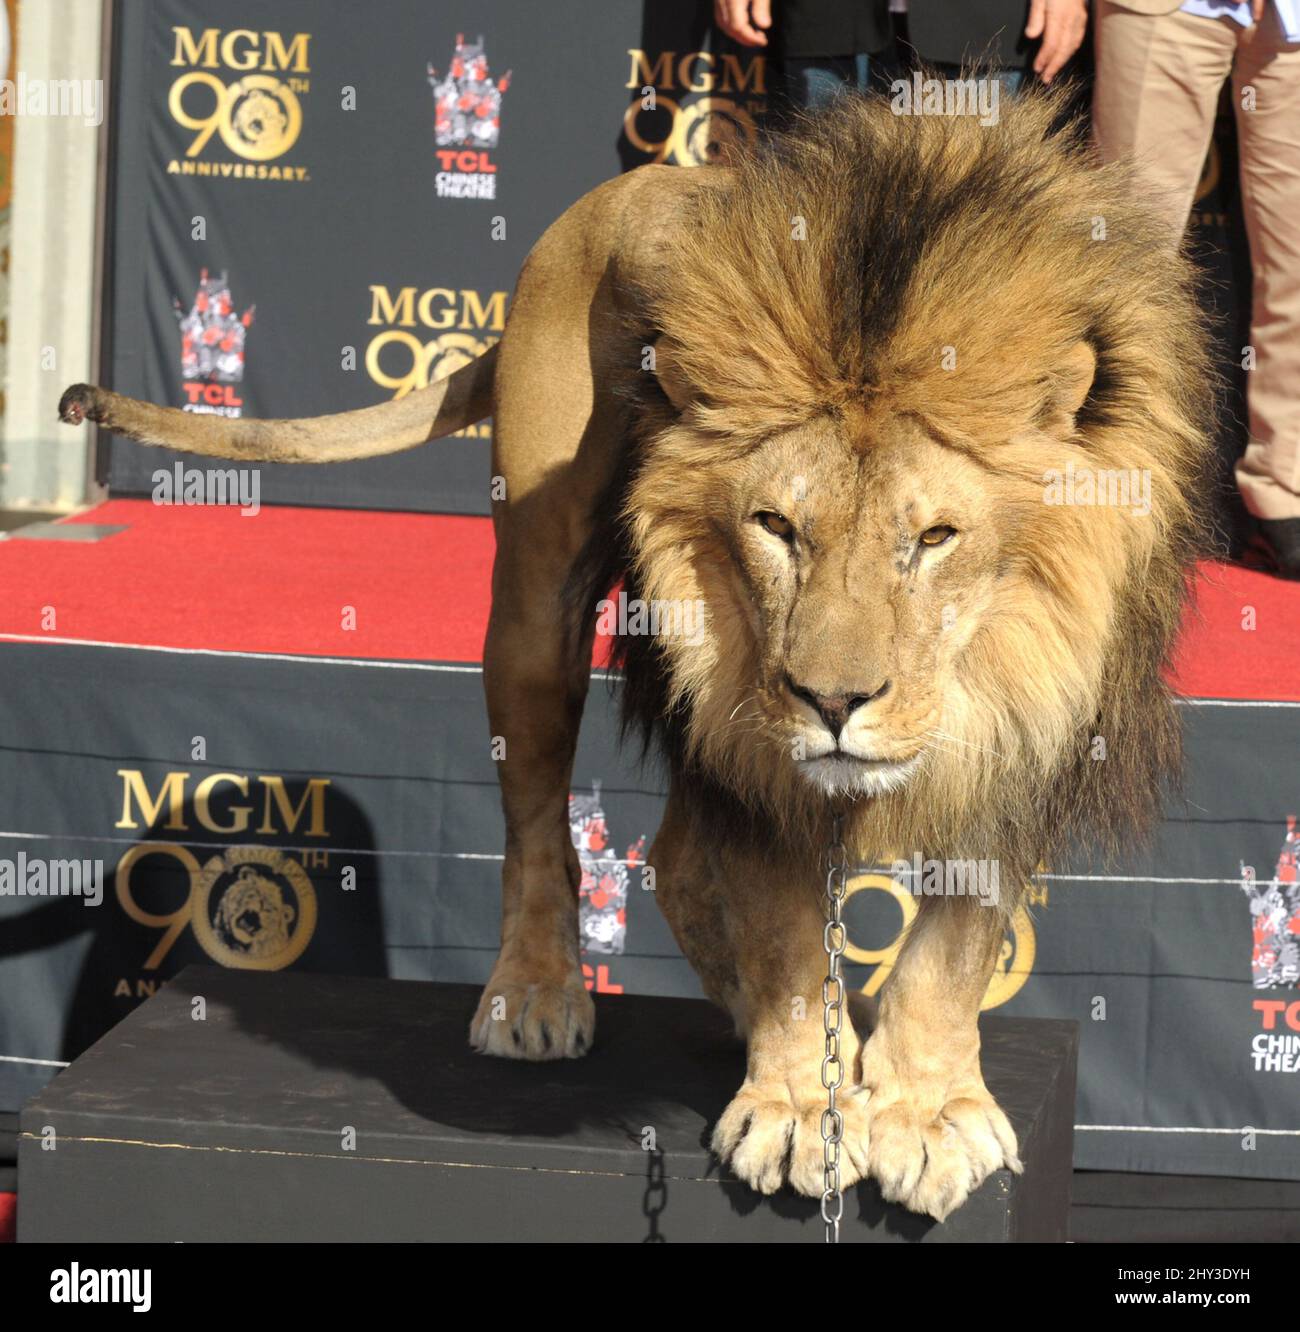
pixel 533 1021
pixel 769 1139
pixel 931 1162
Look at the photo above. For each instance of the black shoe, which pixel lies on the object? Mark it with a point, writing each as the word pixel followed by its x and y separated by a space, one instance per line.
pixel 1281 538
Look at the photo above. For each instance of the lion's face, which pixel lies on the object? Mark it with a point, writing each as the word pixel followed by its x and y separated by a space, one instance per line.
pixel 863 572
pixel 894 610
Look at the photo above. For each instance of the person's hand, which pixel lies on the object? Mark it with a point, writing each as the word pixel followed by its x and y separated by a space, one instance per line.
pixel 1257 9
pixel 744 20
pixel 1061 24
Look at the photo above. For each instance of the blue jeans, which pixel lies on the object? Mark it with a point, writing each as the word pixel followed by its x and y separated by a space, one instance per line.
pixel 813 81
pixel 816 80
pixel 1010 81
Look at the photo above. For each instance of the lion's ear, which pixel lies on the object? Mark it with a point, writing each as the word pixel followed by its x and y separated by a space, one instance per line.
pixel 668 373
pixel 1072 381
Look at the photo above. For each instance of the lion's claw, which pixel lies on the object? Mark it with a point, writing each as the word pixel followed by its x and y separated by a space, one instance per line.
pixel 767 1140
pixel 533 1021
pixel 933 1163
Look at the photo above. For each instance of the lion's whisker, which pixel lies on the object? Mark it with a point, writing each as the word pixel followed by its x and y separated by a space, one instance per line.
pixel 957 740
pixel 740 705
pixel 947 749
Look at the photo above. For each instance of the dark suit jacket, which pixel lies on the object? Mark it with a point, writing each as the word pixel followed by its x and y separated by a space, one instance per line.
pixel 950 31
pixel 830 27
pixel 943 31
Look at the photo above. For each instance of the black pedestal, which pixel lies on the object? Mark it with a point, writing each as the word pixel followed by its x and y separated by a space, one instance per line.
pixel 341 1108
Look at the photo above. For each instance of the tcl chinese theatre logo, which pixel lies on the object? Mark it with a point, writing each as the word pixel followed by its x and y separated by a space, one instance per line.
pixel 429 333
pixel 240 98
pixel 466 122
pixel 1274 906
pixel 691 107
pixel 213 335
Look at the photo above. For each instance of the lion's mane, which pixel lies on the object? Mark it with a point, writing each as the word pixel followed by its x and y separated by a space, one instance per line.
pixel 1008 244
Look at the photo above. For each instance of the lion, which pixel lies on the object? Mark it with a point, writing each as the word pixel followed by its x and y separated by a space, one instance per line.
pixel 823 390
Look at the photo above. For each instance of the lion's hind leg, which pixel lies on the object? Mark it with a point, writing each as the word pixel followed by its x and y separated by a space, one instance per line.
pixel 535 1004
pixel 536 668
pixel 556 443
pixel 558 436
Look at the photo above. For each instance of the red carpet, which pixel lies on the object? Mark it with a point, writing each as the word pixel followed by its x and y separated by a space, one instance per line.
pixel 1221 656
pixel 280 581
pixel 418 585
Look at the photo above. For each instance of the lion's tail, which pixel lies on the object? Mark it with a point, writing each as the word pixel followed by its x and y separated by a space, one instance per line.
pixel 442 408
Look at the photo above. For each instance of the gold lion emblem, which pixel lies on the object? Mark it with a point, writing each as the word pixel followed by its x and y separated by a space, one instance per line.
pixel 262 118
pixel 259 117
pixel 244 913
pixel 252 915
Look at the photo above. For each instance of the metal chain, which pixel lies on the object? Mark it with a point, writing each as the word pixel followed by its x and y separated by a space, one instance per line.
pixel 656 1196
pixel 833 937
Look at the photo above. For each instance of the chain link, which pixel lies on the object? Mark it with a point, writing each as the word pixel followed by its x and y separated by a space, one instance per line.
pixel 656 1195
pixel 833 939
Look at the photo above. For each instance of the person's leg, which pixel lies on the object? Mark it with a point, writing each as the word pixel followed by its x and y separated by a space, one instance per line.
pixel 1266 87
pixel 862 71
pixel 813 81
pixel 1156 91
pixel 894 61
pixel 1010 81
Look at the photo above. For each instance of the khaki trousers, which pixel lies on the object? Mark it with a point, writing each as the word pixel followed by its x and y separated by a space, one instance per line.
pixel 1157 89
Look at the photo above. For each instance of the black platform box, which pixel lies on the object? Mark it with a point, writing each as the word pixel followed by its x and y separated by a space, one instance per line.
pixel 307 1107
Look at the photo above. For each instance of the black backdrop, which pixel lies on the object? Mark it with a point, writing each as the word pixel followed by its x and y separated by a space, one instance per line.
pixel 358 248
pixel 357 244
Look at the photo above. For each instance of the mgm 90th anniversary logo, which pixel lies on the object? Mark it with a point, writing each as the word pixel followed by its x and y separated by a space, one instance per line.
pixel 428 335
pixel 883 902
pixel 691 107
pixel 251 907
pixel 241 90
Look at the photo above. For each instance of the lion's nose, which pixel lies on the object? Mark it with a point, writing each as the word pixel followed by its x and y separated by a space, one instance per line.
pixel 835 709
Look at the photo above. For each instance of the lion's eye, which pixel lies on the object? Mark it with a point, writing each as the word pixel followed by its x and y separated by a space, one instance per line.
pixel 776 523
pixel 936 536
